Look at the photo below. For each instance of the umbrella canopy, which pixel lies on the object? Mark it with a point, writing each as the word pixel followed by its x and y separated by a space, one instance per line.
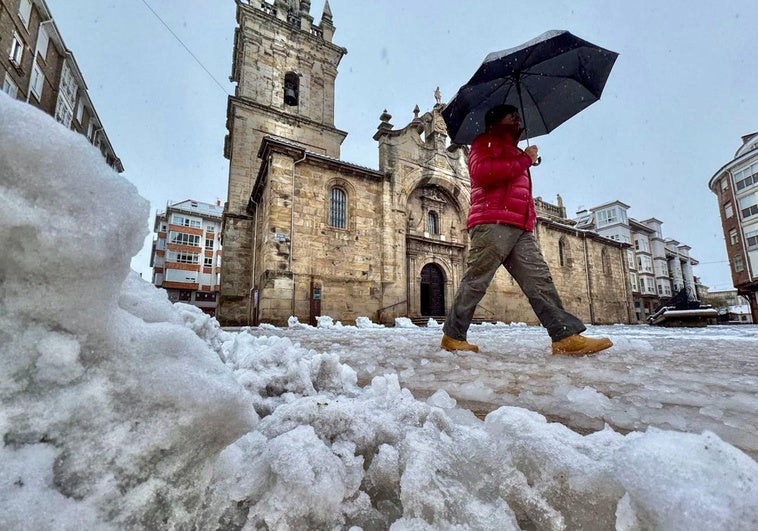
pixel 550 78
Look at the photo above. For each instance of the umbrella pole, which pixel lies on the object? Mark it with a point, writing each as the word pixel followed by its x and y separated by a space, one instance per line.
pixel 523 116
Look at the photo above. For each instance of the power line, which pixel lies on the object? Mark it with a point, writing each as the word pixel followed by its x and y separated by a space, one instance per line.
pixel 185 47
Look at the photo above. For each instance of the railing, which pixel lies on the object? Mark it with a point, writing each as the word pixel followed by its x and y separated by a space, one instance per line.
pixel 486 310
pixel 380 310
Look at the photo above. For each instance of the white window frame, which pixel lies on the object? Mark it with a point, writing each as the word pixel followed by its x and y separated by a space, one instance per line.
pixel 43 43
pixel 36 81
pixel 16 53
pixel 9 86
pixel 79 110
pixel 183 221
pixel 183 238
pixel 749 205
pixel 630 259
pixel 25 11
pixel 63 111
pixel 728 210
pixel 734 239
pixel 180 257
pixel 739 264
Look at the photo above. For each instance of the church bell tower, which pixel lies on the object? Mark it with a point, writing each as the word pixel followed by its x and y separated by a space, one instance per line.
pixel 284 66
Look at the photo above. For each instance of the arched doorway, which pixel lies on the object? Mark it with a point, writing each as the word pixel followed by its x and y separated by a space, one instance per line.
pixel 432 291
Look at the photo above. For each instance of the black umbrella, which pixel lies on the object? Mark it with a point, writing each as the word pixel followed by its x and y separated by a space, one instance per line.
pixel 550 78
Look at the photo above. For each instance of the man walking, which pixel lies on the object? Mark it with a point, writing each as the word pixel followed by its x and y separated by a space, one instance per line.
pixel 500 224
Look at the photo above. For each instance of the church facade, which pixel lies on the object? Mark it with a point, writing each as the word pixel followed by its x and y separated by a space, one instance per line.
pixel 306 234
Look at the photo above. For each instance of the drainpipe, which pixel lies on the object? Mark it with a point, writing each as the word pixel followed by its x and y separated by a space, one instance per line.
pixel 589 280
pixel 627 283
pixel 252 276
pixel 292 228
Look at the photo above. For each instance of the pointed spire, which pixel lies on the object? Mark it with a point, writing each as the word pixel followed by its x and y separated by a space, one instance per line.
pixel 327 27
pixel 327 14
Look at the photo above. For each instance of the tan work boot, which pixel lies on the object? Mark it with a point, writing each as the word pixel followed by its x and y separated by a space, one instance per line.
pixel 448 343
pixel 578 345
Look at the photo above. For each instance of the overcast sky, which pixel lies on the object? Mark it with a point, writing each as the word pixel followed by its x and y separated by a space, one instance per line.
pixel 680 97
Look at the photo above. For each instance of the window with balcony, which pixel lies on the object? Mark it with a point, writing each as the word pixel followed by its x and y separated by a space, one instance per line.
pixel 641 243
pixel 609 216
pixel 17 50
pixel 644 264
pixel 182 258
pixel 184 221
pixel 181 238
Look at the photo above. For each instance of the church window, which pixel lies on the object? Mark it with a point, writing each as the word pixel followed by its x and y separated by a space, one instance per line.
pixel 564 252
pixel 338 209
pixel 291 89
pixel 433 223
pixel 605 257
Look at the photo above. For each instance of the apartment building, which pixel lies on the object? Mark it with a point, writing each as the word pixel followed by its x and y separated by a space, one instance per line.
pixel 736 187
pixel 658 267
pixel 186 255
pixel 37 67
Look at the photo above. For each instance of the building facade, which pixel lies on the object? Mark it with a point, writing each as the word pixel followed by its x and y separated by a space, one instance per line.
pixel 186 255
pixel 658 267
pixel 736 187
pixel 36 67
pixel 306 234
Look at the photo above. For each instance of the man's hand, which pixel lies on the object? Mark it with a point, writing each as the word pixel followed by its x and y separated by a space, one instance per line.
pixel 532 152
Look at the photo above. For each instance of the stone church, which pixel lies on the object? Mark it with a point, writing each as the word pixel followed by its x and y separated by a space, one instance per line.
pixel 306 234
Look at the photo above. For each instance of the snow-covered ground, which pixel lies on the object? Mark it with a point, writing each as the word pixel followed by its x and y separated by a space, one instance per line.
pixel 123 411
pixel 691 379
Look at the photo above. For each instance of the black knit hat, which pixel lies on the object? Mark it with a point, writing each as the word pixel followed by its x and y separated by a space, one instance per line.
pixel 496 113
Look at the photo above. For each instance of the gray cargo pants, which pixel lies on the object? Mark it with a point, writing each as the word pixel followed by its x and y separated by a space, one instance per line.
pixel 516 249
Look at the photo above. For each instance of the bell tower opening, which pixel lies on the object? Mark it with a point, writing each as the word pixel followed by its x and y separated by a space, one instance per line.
pixel 291 89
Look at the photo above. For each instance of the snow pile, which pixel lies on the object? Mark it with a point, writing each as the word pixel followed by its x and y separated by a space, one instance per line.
pixel 122 411
pixel 112 409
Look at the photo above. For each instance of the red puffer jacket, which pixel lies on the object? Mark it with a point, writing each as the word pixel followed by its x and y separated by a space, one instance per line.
pixel 501 188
